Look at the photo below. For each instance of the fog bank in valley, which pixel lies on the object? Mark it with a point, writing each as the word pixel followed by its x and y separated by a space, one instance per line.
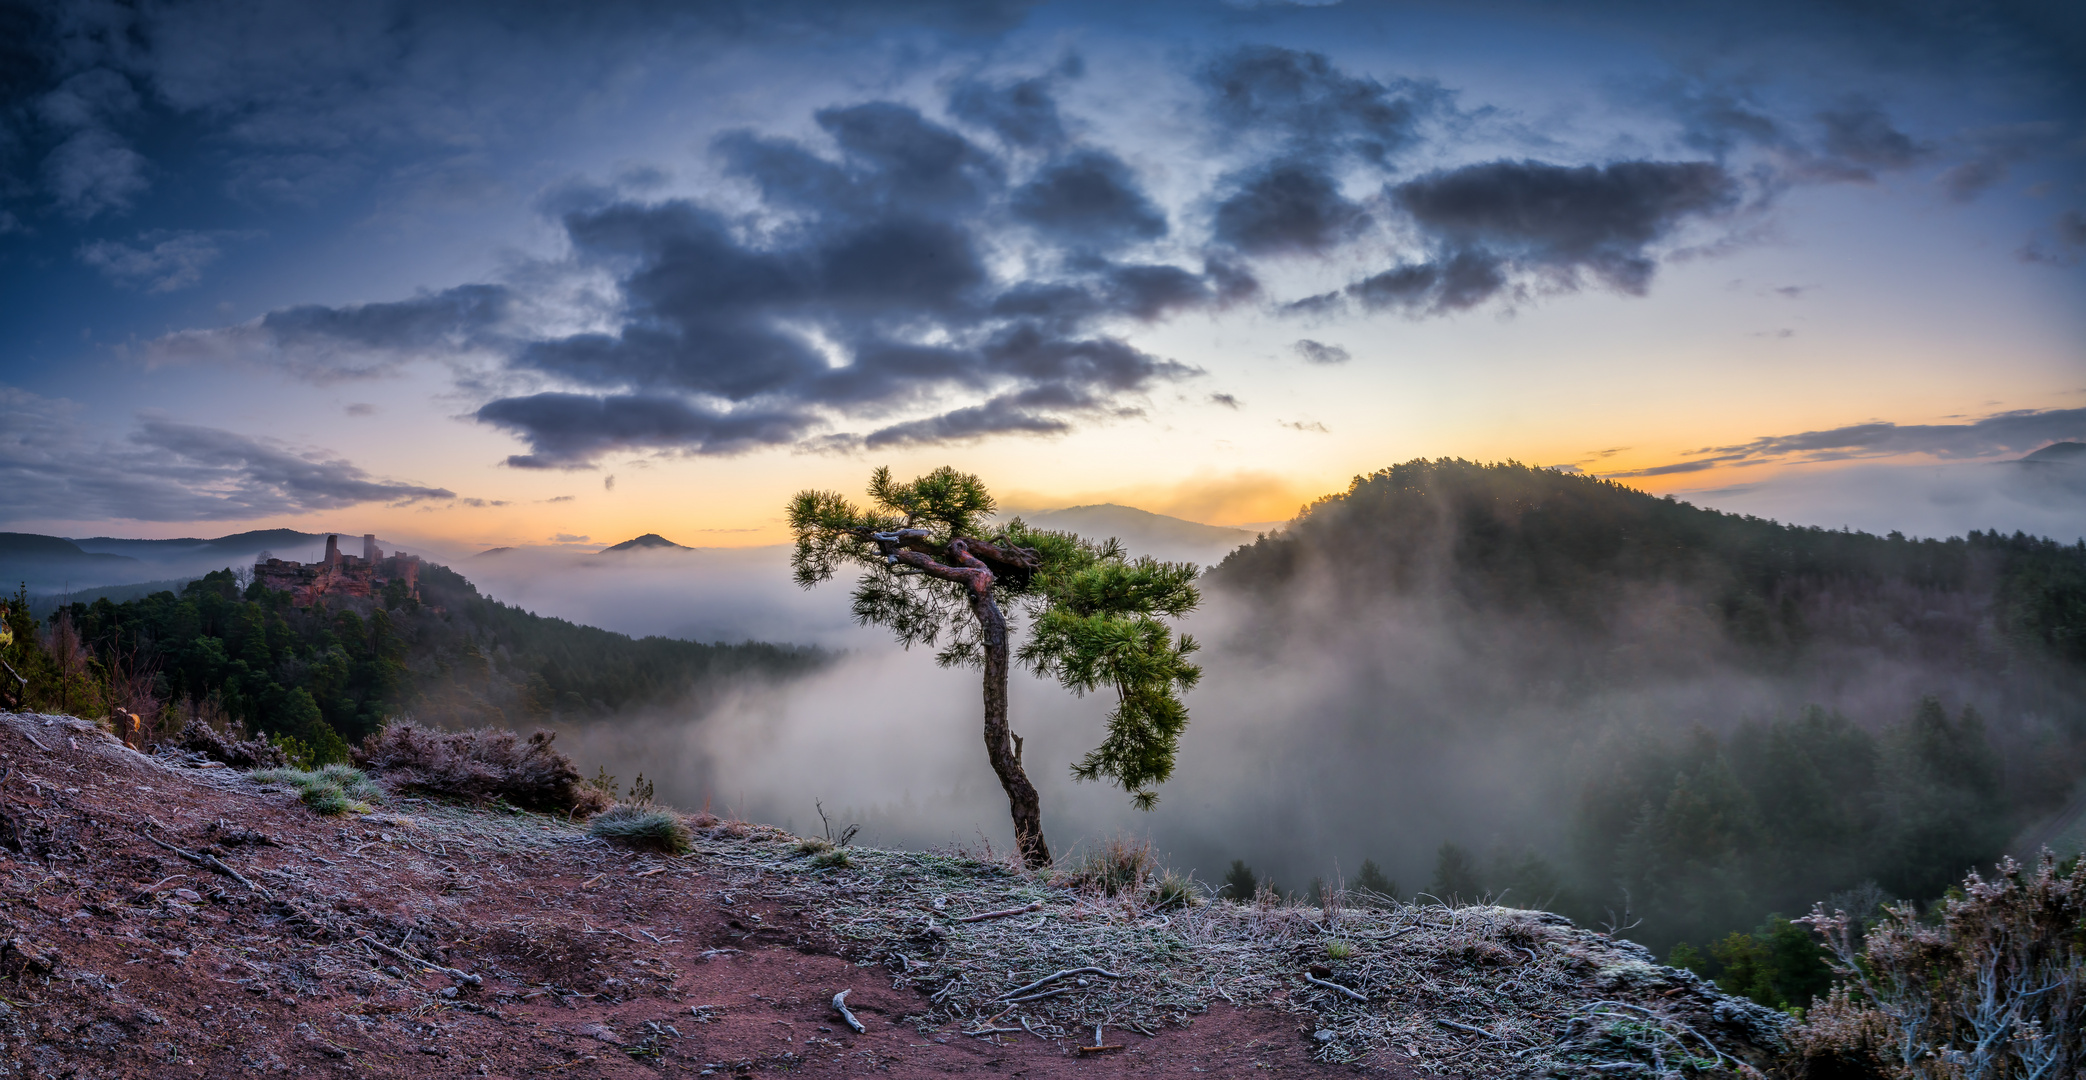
pixel 1323 733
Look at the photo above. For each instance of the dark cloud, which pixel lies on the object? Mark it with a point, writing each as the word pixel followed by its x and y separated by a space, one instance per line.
pixel 1716 120
pixel 999 416
pixel 1487 222
pixel 1994 151
pixel 330 344
pixel 55 466
pixel 570 430
pixel 1148 292
pixel 1023 113
pixel 873 299
pixel 1967 180
pixel 1852 143
pixel 2061 246
pixel 1598 217
pixel 1317 352
pixel 1227 400
pixel 1328 303
pixel 2012 433
pixel 1310 123
pixel 2071 228
pixel 452 317
pixel 1290 207
pixel 312 481
pixel 909 161
pixel 1668 470
pixel 1089 197
pixel 1321 111
pixel 1861 141
pixel 1457 281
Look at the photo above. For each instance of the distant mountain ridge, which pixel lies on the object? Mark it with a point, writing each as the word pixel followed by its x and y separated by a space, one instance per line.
pixel 49 564
pixel 2065 452
pixel 46 561
pixel 1141 531
pixel 648 541
pixel 244 543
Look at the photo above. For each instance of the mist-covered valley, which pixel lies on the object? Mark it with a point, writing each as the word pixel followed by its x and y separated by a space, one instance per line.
pixel 1451 679
pixel 1549 673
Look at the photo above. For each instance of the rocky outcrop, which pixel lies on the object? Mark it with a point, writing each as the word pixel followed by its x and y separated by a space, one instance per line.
pixel 339 574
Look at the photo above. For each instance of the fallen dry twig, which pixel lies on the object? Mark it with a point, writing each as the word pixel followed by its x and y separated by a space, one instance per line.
pixel 840 1006
pixel 1316 981
pixel 459 976
pixel 1037 906
pixel 1055 976
pixel 209 862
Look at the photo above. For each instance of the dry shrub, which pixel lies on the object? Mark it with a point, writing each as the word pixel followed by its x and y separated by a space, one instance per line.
pixel 1120 865
pixel 481 764
pixel 232 746
pixel 1994 987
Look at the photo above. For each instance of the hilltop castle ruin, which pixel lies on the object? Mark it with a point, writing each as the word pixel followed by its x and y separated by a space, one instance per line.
pixel 339 575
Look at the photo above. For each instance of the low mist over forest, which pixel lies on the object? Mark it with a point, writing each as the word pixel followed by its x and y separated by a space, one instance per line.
pixel 1701 718
pixel 1451 679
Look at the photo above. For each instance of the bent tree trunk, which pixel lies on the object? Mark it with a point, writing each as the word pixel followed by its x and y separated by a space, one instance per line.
pixel 1021 794
pixel 978 578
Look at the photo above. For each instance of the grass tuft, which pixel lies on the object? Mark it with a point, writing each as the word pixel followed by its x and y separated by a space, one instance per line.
pixel 1338 950
pixel 1173 891
pixel 642 828
pixel 832 858
pixel 335 789
pixel 1118 865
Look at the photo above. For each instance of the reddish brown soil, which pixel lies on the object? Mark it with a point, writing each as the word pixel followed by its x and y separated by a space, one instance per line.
pixel 118 958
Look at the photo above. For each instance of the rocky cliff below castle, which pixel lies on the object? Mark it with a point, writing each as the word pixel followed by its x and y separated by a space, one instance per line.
pixel 341 574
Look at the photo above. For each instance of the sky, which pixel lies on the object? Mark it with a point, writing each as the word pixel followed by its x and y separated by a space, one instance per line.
pixel 546 274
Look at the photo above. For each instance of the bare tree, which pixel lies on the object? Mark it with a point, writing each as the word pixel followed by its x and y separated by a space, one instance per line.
pixel 70 658
pixel 1095 618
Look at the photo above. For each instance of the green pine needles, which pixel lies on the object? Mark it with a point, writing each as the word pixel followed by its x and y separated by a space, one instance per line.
pixel 1099 626
pixel 1095 617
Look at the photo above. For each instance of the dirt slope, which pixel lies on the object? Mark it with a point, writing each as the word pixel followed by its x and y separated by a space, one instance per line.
pixel 162 918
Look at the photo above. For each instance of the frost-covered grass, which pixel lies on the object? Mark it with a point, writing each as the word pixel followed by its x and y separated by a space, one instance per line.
pixel 642 827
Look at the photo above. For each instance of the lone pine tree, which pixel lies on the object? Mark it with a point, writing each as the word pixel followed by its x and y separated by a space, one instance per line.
pixel 1095 618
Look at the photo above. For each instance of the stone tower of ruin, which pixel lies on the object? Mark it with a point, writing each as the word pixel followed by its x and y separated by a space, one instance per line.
pixel 369 547
pixel 332 550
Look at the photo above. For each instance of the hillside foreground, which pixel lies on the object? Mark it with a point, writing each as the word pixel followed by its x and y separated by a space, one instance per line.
pixel 167 916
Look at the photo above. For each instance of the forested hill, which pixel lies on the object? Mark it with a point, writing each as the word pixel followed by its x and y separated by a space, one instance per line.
pixel 330 674
pixel 1626 707
pixel 1598 558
